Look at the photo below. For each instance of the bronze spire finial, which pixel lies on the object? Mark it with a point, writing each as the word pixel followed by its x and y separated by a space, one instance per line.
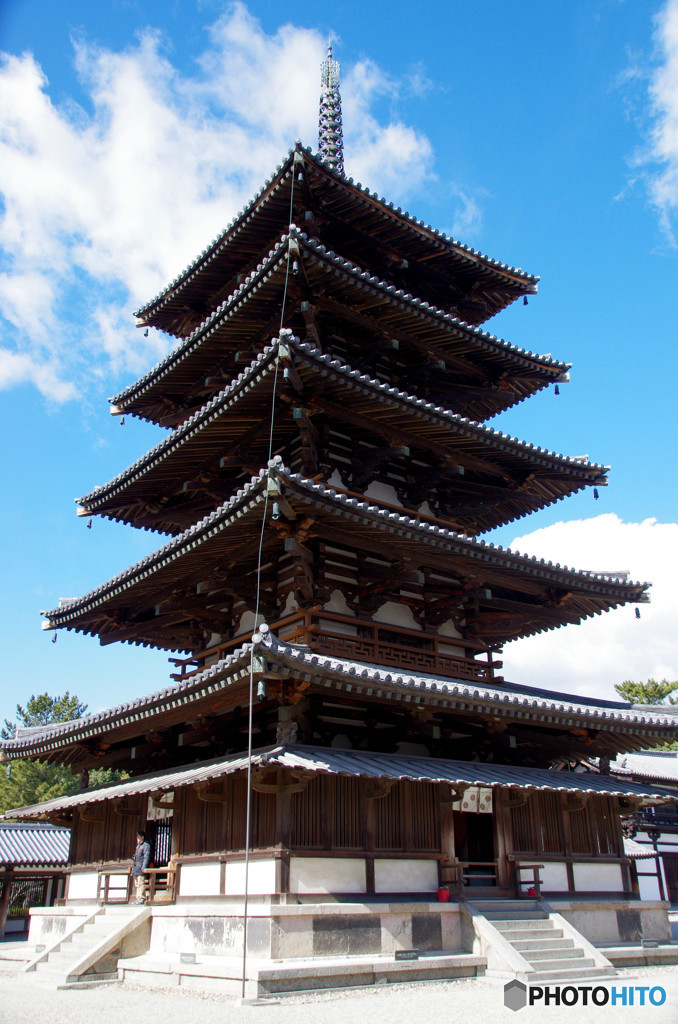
pixel 330 135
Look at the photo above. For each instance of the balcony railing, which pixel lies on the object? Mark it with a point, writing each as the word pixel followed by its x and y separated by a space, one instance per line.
pixel 363 640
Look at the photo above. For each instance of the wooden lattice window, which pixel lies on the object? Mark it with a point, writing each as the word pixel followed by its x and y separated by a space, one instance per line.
pixel 347 813
pixel 425 827
pixel 549 823
pixel 522 823
pixel 307 816
pixel 388 820
pixel 605 826
pixel 537 824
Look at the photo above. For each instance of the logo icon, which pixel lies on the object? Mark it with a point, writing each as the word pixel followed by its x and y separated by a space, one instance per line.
pixel 515 995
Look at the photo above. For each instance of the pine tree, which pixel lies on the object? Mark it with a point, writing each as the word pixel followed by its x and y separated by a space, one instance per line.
pixel 650 692
pixel 29 782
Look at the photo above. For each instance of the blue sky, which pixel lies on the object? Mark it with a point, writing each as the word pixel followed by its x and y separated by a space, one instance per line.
pixel 545 135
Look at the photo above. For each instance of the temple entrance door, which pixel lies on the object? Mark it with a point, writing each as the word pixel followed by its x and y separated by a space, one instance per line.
pixel 475 849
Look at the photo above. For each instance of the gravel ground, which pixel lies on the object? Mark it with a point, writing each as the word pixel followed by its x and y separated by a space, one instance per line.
pixel 460 1002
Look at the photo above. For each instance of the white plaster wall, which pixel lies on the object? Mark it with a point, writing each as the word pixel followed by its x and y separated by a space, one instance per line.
pixel 260 881
pixel 200 879
pixel 83 885
pixel 455 652
pixel 327 874
pixel 448 628
pixel 338 627
pixel 405 875
pixel 337 603
pixel 247 622
pixel 597 877
pixel 396 615
pixel 648 887
pixel 553 877
pixel 383 492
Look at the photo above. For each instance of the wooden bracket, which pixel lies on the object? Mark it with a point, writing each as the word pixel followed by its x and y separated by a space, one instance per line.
pixel 93 818
pixel 380 788
pixel 168 805
pixel 125 812
pixel 209 798
pixel 629 804
pixel 578 804
pixel 283 788
pixel 519 800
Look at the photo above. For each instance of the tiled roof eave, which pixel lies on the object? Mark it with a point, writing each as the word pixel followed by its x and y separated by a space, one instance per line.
pixel 527 282
pixel 357 764
pixel 479 337
pixel 585 472
pixel 364 512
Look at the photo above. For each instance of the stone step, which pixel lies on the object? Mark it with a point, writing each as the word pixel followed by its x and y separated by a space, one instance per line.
pixel 488 905
pixel 564 964
pixel 555 940
pixel 516 915
pixel 85 941
pixel 575 974
pixel 519 925
pixel 90 981
pixel 45 967
pixel 60 959
pixel 537 956
pixel 515 936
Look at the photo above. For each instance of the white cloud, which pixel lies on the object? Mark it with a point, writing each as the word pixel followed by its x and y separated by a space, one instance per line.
pixel 103 208
pixel 606 649
pixel 662 151
pixel 468 216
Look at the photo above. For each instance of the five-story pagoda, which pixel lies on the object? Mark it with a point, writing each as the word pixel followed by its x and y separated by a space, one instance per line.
pixel 327 471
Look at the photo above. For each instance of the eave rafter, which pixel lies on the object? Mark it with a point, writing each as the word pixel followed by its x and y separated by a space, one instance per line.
pixel 229 540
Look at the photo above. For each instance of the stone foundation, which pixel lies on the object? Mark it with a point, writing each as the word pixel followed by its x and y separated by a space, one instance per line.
pixel 310 930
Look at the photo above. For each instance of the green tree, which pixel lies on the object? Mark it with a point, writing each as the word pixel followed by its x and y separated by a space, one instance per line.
pixel 650 692
pixel 41 709
pixel 30 782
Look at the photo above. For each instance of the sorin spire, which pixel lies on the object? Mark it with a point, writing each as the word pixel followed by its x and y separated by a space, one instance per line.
pixel 330 135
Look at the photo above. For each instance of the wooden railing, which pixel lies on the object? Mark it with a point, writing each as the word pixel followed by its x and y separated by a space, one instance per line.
pixel 377 643
pixel 460 875
pixel 529 887
pixel 115 884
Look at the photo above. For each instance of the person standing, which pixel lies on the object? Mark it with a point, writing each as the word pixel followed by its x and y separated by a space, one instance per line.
pixel 142 858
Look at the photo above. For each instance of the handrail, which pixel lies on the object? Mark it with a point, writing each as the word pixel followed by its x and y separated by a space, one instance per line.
pixel 310 626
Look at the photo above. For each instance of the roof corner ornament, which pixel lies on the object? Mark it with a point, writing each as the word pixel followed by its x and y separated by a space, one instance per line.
pixel 330 135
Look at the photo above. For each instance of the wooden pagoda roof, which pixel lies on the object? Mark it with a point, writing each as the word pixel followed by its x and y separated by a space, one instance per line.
pixel 365 226
pixel 304 761
pixel 495 477
pixel 158 600
pixel 358 316
pixel 227 681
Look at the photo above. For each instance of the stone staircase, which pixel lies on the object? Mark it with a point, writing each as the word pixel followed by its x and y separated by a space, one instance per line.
pixel 89 954
pixel 552 950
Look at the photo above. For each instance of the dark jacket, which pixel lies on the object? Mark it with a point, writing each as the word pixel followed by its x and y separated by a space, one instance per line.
pixel 142 857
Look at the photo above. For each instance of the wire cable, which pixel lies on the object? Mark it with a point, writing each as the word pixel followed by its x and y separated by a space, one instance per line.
pixel 250 715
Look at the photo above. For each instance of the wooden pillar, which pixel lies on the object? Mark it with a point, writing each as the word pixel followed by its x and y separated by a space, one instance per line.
pixel 283 831
pixel 7 879
pixel 447 848
pixel 502 842
pixel 369 832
